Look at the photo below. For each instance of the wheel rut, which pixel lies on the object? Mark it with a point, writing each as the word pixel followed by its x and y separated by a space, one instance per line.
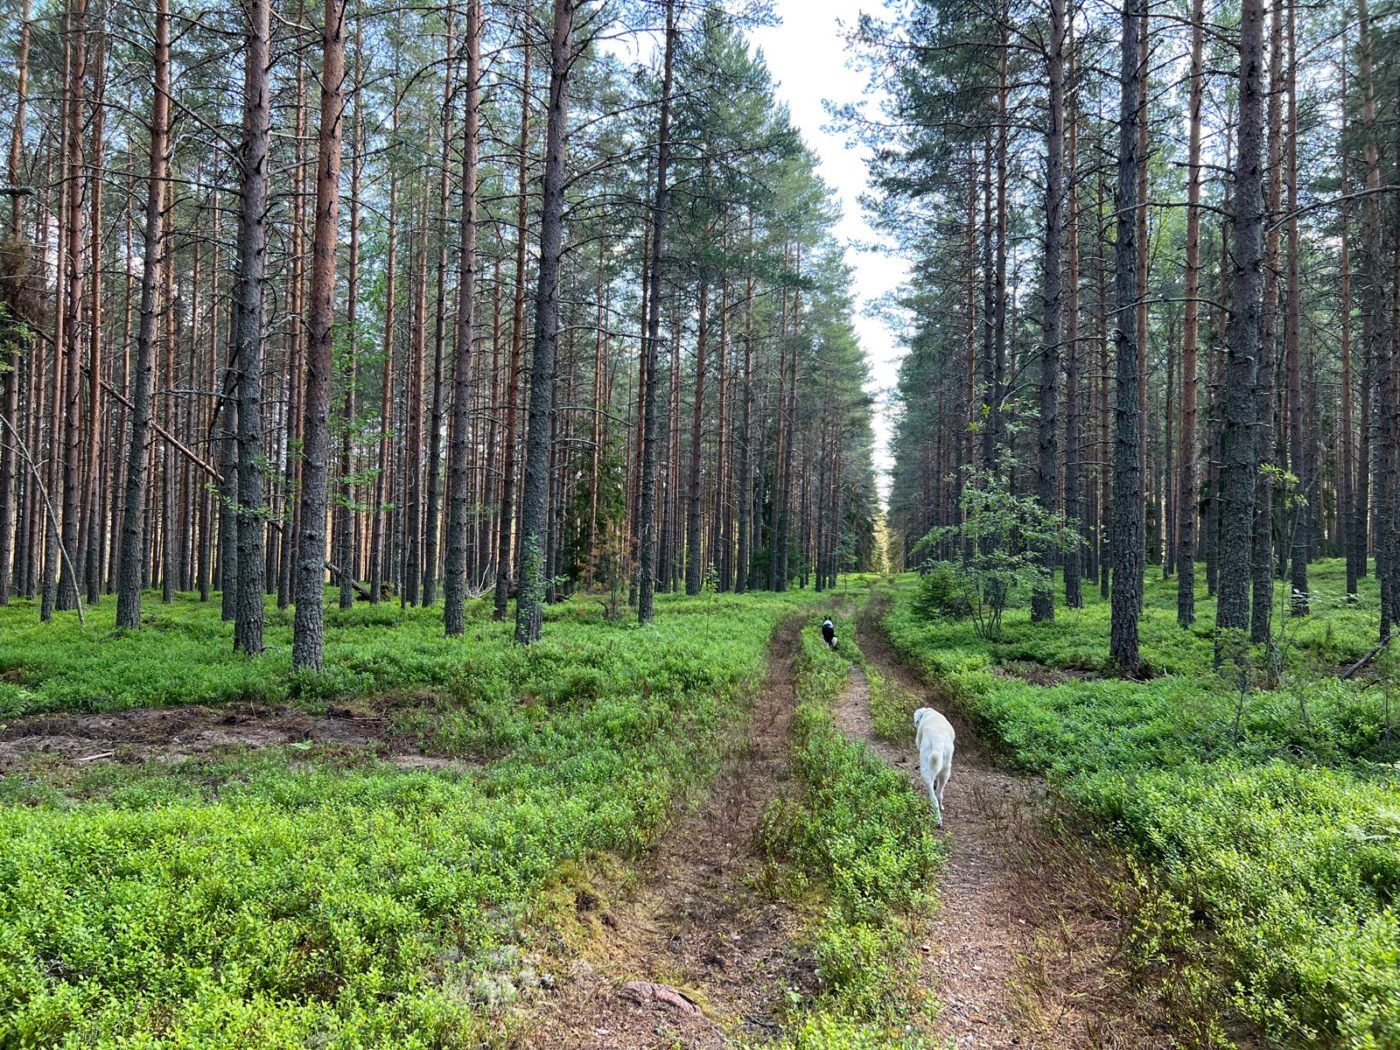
pixel 698 923
pixel 1026 948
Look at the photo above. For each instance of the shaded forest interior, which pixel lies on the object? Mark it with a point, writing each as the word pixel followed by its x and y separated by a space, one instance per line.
pixel 442 302
pixel 1156 262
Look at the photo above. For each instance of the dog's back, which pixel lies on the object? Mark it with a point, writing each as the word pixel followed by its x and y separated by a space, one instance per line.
pixel 934 737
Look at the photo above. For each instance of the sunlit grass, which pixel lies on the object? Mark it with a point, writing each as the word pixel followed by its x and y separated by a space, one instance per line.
pixel 311 895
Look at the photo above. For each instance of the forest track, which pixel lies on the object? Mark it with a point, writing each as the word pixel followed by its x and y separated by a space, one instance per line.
pixel 1027 948
pixel 698 921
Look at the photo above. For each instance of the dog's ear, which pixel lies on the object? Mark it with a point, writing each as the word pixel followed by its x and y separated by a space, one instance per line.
pixel 919 715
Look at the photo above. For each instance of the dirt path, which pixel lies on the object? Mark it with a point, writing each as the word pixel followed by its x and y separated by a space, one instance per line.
pixel 698 924
pixel 1024 946
pixel 170 734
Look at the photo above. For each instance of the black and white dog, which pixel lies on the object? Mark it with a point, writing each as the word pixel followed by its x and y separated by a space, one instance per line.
pixel 829 633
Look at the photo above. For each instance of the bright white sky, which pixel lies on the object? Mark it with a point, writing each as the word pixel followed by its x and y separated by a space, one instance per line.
pixel 807 55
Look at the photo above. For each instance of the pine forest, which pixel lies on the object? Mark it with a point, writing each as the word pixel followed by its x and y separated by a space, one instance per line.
pixel 665 524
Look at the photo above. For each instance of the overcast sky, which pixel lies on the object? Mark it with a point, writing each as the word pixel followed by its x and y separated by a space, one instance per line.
pixel 807 55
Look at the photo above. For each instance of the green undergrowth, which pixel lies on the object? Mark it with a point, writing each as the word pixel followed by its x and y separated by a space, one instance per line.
pixel 892 708
pixel 865 844
pixel 315 895
pixel 1339 633
pixel 1270 820
pixel 183 653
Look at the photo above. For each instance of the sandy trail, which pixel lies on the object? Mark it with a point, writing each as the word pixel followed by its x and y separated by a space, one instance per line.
pixel 1025 947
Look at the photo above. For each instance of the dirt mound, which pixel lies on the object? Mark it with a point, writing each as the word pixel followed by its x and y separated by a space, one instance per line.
pixel 173 733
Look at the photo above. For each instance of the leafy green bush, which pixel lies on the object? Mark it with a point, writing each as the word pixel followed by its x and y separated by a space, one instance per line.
pixel 1005 536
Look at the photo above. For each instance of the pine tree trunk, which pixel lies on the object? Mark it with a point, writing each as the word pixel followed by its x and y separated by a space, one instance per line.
pixel 1353 540
pixel 646 509
pixel 248 583
pixel 343 542
pixel 12 375
pixel 1239 451
pixel 413 407
pixel 1128 507
pixel 133 567
pixel 694 577
pixel 1073 557
pixel 90 529
pixel 1052 331
pixel 1186 456
pixel 529 613
pixel 383 490
pixel 308 628
pixel 432 510
pixel 505 565
pixel 71 253
pixel 458 491
pixel 745 439
pixel 1266 390
pixel 1377 334
pixel 1298 541
pixel 294 415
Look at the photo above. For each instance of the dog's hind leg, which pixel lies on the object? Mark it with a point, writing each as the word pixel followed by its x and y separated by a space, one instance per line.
pixel 945 773
pixel 930 778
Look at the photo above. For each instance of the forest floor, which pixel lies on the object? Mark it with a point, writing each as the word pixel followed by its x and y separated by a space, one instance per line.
pixel 1028 945
pixel 694 927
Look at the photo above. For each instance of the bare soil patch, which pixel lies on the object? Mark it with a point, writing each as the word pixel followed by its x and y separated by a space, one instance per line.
pixel 173 733
pixel 698 923
pixel 1027 947
pixel 1042 674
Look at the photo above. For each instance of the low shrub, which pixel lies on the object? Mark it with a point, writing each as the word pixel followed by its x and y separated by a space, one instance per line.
pixel 941 593
pixel 892 708
pixel 314 896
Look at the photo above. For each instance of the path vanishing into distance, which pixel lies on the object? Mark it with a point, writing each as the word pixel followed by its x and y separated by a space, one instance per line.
pixel 693 922
pixel 1026 942
pixel 1026 947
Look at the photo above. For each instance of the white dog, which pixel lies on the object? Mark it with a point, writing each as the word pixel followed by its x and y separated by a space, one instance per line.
pixel 934 735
